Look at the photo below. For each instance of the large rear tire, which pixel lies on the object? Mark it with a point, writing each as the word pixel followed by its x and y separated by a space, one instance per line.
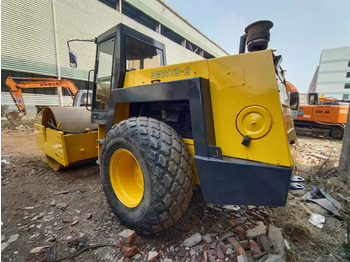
pixel 146 173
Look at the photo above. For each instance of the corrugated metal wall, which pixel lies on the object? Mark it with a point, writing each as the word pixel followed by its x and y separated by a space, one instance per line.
pixel 27 40
pixel 28 36
pixel 81 20
pixel 34 99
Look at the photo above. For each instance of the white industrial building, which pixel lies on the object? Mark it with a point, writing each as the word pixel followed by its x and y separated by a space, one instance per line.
pixel 34 38
pixel 332 77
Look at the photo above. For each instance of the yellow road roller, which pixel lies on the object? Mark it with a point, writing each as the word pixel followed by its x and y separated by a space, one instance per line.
pixel 223 123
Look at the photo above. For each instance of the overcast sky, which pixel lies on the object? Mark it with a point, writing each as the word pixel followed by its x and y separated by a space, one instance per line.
pixel 302 28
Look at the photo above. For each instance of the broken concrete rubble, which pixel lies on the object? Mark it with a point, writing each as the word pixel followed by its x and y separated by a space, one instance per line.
pixel 260 229
pixel 193 240
pixel 38 249
pixel 104 227
pixel 276 237
pixel 152 256
pixel 274 258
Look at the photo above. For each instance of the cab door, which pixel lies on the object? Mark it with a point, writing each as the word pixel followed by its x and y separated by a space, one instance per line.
pixel 105 63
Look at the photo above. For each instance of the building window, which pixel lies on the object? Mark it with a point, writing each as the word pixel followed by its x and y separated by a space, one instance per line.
pixel 207 55
pixel 348 74
pixel 111 3
pixel 347 85
pixel 345 96
pixel 349 63
pixel 139 16
pixel 192 47
pixel 171 35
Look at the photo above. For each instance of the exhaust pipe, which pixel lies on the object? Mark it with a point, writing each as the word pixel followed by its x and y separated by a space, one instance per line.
pixel 242 43
pixel 257 36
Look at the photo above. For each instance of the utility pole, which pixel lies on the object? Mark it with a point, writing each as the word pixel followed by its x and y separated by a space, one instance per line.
pixel 59 89
pixel 344 163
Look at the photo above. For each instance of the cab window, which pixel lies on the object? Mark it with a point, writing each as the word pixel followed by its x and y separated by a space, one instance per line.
pixel 104 74
pixel 140 55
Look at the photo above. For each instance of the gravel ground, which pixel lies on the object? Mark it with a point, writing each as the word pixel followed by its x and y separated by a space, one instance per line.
pixel 48 214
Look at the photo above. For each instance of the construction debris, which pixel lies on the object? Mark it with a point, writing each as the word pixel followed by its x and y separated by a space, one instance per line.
pixel 153 256
pixel 260 229
pixel 221 233
pixel 276 237
pixel 62 192
pixel 38 249
pixel 193 240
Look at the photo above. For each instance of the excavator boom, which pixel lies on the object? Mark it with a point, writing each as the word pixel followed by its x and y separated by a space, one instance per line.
pixel 15 88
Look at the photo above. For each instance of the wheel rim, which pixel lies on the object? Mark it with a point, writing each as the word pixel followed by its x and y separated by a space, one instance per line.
pixel 126 178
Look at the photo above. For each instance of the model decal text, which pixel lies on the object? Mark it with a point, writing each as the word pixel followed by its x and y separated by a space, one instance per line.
pixel 170 72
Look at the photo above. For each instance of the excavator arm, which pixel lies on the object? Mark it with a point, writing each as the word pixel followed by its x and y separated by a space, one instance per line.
pixel 15 88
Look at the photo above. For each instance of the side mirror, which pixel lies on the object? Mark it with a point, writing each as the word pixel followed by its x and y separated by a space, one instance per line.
pixel 73 59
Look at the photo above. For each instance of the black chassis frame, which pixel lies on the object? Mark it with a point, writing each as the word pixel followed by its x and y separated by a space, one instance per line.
pixel 120 33
pixel 224 180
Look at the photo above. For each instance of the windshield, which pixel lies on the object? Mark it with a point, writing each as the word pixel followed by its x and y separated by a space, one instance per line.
pixel 140 55
pixel 104 74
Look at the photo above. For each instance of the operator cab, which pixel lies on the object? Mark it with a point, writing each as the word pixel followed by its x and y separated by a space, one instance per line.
pixel 119 50
pixel 82 98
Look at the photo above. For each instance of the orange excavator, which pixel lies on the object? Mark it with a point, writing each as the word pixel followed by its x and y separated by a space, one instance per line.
pixel 318 114
pixel 32 82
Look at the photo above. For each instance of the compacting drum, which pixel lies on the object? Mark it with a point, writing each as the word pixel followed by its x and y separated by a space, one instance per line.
pixel 67 136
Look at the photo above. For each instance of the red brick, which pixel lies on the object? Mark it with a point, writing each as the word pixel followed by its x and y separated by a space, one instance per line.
pixel 232 223
pixel 242 237
pixel 219 253
pixel 245 244
pixel 254 247
pixel 222 246
pixel 129 251
pixel 237 246
pixel 127 237
pixel 240 230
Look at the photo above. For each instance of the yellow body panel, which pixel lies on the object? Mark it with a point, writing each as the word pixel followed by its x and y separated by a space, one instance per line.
pixel 81 146
pixel 167 73
pixel 236 82
pixel 66 149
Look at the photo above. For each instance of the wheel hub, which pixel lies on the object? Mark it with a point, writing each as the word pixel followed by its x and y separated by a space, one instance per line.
pixel 126 178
